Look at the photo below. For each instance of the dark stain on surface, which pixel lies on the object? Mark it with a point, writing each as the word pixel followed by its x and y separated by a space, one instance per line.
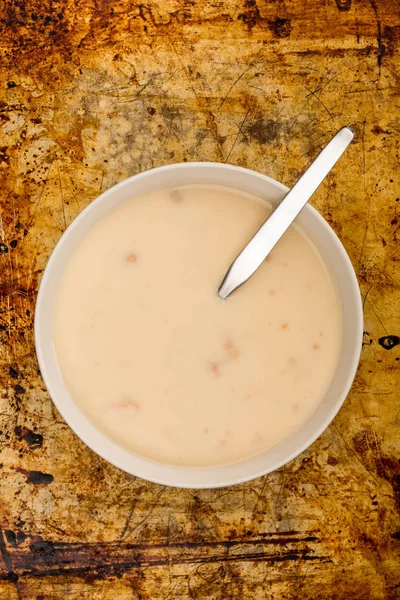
pixel 281 27
pixel 390 40
pixel 169 113
pixel 389 341
pixel 368 445
pixel 42 548
pixel 44 29
pixel 13 373
pixel 35 440
pixel 21 537
pixel 263 130
pixel 102 560
pixel 3 248
pixel 343 5
pixel 381 47
pixel 11 537
pixel 251 14
pixel 377 130
pixel 389 469
pixel 36 477
pixel 10 575
pixel 387 38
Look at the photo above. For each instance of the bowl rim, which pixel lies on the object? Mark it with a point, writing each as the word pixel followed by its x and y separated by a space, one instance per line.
pixel 185 478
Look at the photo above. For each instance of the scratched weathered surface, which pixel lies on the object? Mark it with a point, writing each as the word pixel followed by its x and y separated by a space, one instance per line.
pixel 93 91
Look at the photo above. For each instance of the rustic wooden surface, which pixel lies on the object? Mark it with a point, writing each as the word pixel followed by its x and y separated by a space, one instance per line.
pixel 93 91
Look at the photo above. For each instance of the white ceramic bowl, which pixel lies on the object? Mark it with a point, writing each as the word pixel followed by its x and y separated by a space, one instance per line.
pixel 331 249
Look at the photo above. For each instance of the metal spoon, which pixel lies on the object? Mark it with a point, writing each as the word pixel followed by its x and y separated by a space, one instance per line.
pixel 261 244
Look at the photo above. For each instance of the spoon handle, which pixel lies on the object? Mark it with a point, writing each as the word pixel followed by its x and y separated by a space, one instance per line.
pixel 270 232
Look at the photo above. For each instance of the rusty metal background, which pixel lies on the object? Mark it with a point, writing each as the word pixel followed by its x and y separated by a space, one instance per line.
pixel 93 91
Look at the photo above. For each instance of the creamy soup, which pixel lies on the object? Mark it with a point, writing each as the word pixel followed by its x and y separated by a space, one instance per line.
pixel 163 366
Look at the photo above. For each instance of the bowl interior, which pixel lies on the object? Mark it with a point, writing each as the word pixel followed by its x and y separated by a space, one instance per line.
pixel 327 243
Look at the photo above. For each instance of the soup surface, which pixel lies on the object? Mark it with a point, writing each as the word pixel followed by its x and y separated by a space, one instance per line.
pixel 163 366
